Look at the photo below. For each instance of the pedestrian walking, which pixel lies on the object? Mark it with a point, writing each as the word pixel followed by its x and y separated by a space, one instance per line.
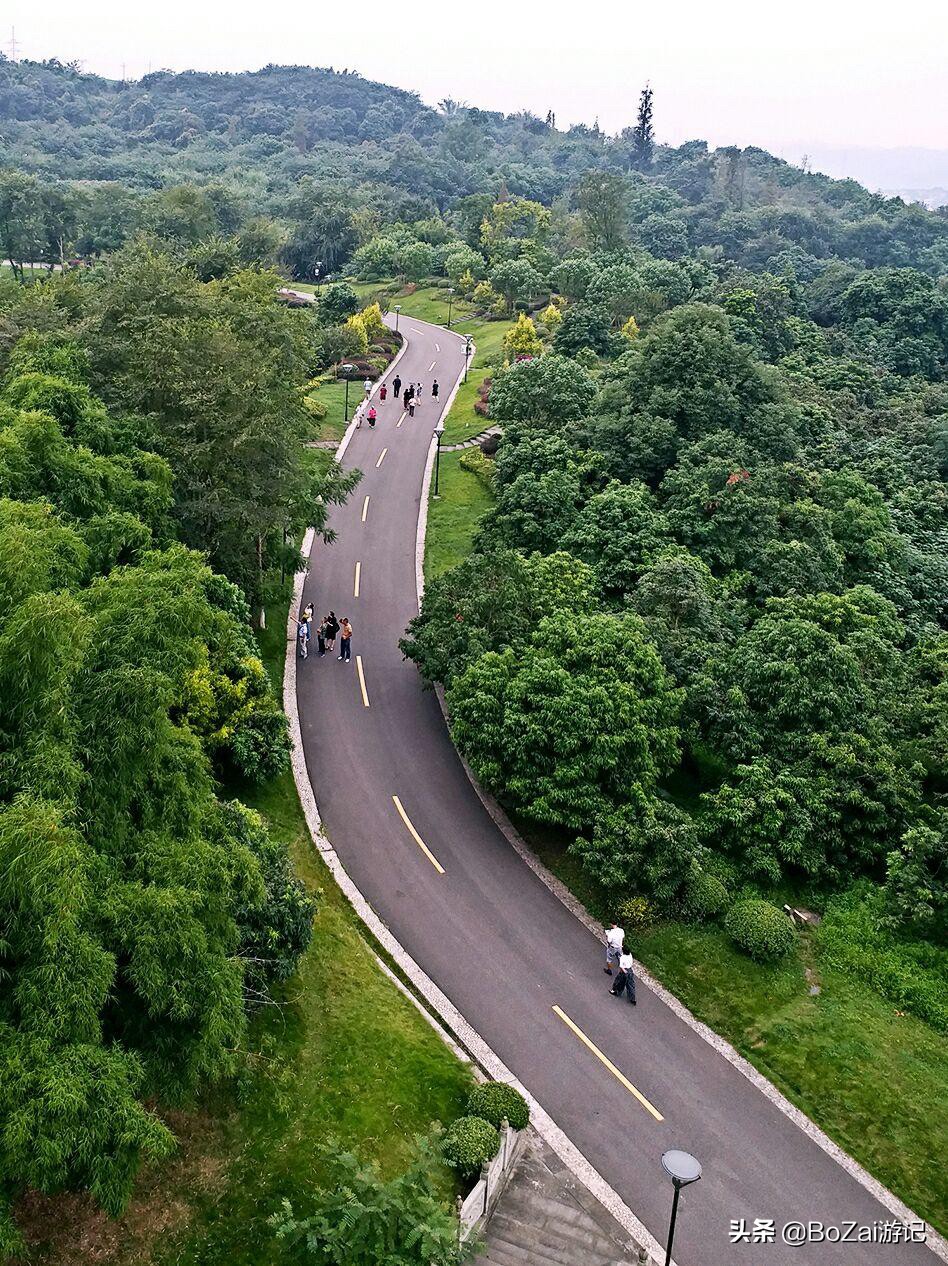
pixel 411 391
pixel 615 936
pixel 302 637
pixel 397 386
pixel 372 416
pixel 383 392
pixel 321 637
pixel 411 406
pixel 360 414
pixel 625 979
pixel 367 387
pixel 332 628
pixel 308 614
pixel 345 640
pixel 406 396
pixel 435 389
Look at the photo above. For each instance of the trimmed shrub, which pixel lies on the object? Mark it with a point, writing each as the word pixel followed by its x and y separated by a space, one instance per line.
pixel 760 929
pixel 703 897
pixel 495 1101
pixel 636 914
pixel 468 1142
pixel 490 444
pixel 484 468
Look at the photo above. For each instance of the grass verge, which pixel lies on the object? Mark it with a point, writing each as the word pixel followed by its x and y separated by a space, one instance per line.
pixel 454 516
pixel 344 1055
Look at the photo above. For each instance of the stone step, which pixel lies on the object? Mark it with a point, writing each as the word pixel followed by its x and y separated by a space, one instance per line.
pixel 573 1238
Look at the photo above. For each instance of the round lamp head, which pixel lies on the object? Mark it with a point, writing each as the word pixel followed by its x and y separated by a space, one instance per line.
pixel 681 1167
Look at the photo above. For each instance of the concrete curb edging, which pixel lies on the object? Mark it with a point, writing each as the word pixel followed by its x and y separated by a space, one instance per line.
pixel 478 1050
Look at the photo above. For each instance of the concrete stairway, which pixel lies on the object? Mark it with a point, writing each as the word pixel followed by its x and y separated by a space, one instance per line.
pixel 546 1218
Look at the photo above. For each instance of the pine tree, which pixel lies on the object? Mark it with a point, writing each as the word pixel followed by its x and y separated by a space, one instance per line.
pixel 643 134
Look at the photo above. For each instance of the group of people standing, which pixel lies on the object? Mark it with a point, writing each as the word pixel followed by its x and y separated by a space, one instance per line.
pixel 410 394
pixel 326 632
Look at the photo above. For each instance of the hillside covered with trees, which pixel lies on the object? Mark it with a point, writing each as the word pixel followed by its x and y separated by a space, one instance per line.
pixel 701 639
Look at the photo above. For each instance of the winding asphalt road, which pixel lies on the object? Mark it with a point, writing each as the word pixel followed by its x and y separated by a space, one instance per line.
pixel 491 935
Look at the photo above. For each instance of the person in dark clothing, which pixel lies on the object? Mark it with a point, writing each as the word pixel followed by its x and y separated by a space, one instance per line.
pixel 332 628
pixel 435 389
pixel 625 978
pixel 405 398
pixel 321 637
pixel 396 386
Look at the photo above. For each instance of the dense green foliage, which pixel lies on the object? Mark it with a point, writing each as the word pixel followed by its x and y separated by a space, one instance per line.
pixel 360 1220
pixel 144 917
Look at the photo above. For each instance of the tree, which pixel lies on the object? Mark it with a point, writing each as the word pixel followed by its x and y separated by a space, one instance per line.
pixel 516 279
pixel 548 389
pixel 602 199
pixel 916 884
pixel 21 219
pixel 361 1220
pixel 643 135
pixel 522 339
pixel 646 845
pixel 492 600
pixel 618 532
pixel 336 302
pixel 579 721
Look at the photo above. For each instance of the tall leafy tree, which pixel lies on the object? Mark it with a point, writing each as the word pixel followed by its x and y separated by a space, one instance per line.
pixel 643 135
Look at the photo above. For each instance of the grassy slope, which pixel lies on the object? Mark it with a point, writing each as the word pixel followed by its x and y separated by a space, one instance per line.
pixel 344 1055
pixel 453 518
pixel 871 1077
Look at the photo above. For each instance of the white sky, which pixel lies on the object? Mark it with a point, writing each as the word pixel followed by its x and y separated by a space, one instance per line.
pixel 731 72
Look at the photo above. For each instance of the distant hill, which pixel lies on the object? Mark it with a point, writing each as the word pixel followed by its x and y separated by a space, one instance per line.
pixel 273 136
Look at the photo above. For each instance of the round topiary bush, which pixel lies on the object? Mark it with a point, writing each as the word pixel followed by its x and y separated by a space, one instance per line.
pixel 635 915
pixel 468 1142
pixel 495 1100
pixel 703 897
pixel 760 929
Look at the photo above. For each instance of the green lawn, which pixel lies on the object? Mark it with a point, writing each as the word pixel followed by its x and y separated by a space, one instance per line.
pixel 872 1078
pixel 462 422
pixel 453 518
pixel 344 1055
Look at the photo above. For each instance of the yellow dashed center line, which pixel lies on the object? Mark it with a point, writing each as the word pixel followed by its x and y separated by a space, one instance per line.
pixel 381 458
pixel 609 1064
pixel 365 696
pixel 358 577
pixel 416 837
pixel 365 508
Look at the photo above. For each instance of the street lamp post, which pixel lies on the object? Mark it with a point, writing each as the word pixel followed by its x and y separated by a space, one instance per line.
pixel 398 308
pixel 317 269
pixel 439 431
pixel 347 370
pixel 467 354
pixel 683 1170
pixel 450 302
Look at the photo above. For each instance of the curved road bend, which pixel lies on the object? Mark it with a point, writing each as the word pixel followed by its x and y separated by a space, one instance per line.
pixel 494 939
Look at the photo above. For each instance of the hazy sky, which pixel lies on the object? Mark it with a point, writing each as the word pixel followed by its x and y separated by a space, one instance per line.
pixel 732 72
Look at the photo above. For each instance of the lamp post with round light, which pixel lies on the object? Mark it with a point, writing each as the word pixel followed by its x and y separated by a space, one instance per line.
pixel 439 431
pixel 450 302
pixel 467 354
pixel 398 308
pixel 347 370
pixel 683 1170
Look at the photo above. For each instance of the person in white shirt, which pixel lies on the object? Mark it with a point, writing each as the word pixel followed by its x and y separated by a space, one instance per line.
pixel 625 978
pixel 614 938
pixel 367 387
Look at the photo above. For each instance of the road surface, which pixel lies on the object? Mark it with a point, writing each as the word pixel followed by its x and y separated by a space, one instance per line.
pixel 403 818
